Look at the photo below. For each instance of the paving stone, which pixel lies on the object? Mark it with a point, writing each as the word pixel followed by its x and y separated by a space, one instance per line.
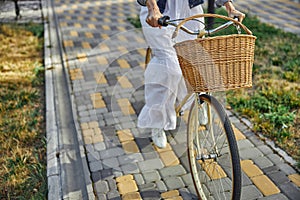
pixel 174 183
pixel 128 186
pixel 107 174
pixel 139 179
pixel 150 155
pixel 177 170
pixel 186 195
pixel 113 195
pixel 96 166
pixel 252 154
pixel 93 156
pixel 275 197
pixel 112 184
pixel 290 190
pixel 110 163
pixel 250 168
pixel 170 194
pixel 151 176
pixel 265 149
pixel 130 147
pixel 130 196
pixel 130 158
pixel 147 187
pixel 270 170
pixel 101 197
pixel 275 159
pixel 96 176
pixel 263 162
pixel 245 180
pixel 151 195
pixel 295 178
pixel 265 185
pixel 169 158
pixel 124 178
pixel 250 192
pixel 161 186
pixel 256 140
pixel 244 144
pixel 286 168
pixel 101 187
pixel 100 146
pixel 113 152
pixel 187 179
pixel 130 168
pixel 279 177
pixel 149 165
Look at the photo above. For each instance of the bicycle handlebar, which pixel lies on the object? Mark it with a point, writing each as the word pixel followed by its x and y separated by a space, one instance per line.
pixel 165 21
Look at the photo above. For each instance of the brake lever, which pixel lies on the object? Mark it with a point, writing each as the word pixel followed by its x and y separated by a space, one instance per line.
pixel 163 20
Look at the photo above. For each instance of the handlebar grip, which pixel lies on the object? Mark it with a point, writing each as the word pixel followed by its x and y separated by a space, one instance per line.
pixel 163 20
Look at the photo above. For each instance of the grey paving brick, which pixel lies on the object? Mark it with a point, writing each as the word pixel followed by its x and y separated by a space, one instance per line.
pixel 270 170
pixel 112 184
pixel 250 192
pixel 112 152
pixel 130 158
pixel 279 177
pixel 150 195
pixel 249 133
pixel 265 149
pixel 290 190
pixel 244 144
pixel 263 162
pixel 150 155
pixel 139 179
pixel 245 180
pixel 151 176
pixel 180 149
pixel 95 166
pixel 149 165
pixel 112 142
pixel 99 146
pixel 275 158
pixel 161 186
pixel 255 140
pixel 147 187
pixel 286 168
pixel 242 127
pixel 174 183
pixel 110 163
pixel 101 197
pixel 279 196
pixel 113 195
pixel 101 187
pixel 107 174
pixel 93 156
pixel 186 195
pixel 96 176
pixel 187 179
pixel 252 154
pixel 130 168
pixel 177 170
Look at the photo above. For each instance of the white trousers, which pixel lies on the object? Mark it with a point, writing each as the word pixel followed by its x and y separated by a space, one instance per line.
pixel 164 84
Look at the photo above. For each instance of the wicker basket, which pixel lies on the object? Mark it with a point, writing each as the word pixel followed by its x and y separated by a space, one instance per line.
pixel 217 63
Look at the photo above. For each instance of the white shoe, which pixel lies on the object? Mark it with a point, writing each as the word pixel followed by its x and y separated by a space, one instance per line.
pixel 159 138
pixel 202 114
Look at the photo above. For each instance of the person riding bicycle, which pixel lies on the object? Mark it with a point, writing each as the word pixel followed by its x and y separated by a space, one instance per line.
pixel 164 84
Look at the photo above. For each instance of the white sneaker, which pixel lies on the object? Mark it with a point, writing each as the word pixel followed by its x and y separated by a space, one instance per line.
pixel 202 114
pixel 159 138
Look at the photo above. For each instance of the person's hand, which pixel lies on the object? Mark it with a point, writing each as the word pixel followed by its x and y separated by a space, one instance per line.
pixel 232 12
pixel 153 13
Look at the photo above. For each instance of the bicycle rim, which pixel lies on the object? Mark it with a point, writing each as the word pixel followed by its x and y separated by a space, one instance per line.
pixel 213 152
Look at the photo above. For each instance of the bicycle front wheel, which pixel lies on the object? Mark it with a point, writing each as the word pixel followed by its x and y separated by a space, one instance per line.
pixel 212 151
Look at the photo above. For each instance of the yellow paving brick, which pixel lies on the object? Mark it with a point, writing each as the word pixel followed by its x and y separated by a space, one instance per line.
pixel 132 196
pixel 140 40
pixel 105 27
pixel 77 25
pixel 122 49
pixel 170 194
pixel 88 132
pixel 250 168
pixel 175 198
pixel 125 135
pixel 63 24
pixel 74 33
pixel 142 52
pixel 82 57
pixel 159 150
pixel 213 169
pixel 88 140
pixel 130 147
pixel 76 74
pixel 68 17
pixel 124 82
pixel 295 178
pixel 94 19
pixel 126 107
pixel 92 26
pixel 122 38
pixel 238 134
pixel 80 18
pixel 68 43
pixel 169 158
pixel 124 178
pixel 127 187
pixel 123 63
pixel 100 78
pixel 102 60
pixel 89 35
pixel 84 126
pixel 107 20
pixel 121 28
pixel 265 185
pixel 97 139
pixel 93 124
pixel 97 100
pixel 86 45
pixel 104 47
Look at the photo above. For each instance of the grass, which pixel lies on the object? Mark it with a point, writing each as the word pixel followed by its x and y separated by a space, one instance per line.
pixel 273 104
pixel 22 122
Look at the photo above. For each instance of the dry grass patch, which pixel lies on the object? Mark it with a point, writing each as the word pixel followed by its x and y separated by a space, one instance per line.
pixel 22 123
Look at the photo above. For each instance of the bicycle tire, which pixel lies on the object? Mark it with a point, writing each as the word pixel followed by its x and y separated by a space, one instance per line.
pixel 215 169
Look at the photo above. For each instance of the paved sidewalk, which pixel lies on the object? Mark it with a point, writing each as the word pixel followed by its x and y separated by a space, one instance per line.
pixel 103 60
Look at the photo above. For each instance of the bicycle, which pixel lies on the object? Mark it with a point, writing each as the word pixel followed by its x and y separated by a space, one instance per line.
pixel 212 147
